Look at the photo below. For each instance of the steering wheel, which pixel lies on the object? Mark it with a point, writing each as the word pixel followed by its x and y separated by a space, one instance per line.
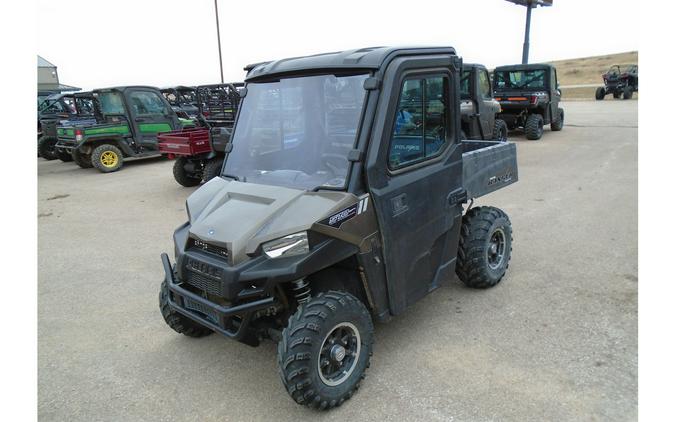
pixel 329 160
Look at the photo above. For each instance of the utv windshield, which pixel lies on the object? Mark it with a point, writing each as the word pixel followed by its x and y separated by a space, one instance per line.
pixel 521 79
pixel 297 132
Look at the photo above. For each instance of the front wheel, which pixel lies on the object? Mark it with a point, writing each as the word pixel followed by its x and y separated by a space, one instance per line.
pixel 501 131
pixel 600 93
pixel 47 148
pixel 107 158
pixel 484 247
pixel 178 322
pixel 325 350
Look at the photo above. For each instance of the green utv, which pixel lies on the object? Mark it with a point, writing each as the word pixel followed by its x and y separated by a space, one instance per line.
pixel 128 120
pixel 340 202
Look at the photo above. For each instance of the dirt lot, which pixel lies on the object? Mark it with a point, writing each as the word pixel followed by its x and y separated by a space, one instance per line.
pixel 555 341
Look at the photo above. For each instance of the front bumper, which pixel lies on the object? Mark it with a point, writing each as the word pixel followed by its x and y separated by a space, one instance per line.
pixel 230 321
pixel 66 145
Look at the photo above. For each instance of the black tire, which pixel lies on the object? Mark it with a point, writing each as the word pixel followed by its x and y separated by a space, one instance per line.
pixel 600 93
pixel 616 95
pixel 307 342
pixel 212 168
pixel 534 127
pixel 82 160
pixel 182 176
pixel 178 322
pixel 558 124
pixel 501 131
pixel 107 158
pixel 64 156
pixel 484 247
pixel 47 147
pixel 627 93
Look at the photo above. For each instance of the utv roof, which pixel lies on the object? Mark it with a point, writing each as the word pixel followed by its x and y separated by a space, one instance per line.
pixel 178 88
pixel 364 58
pixel 524 67
pixel 467 65
pixel 124 88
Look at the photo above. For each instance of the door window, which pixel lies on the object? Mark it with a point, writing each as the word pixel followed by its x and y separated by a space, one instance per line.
pixel 147 103
pixel 420 125
pixel 484 84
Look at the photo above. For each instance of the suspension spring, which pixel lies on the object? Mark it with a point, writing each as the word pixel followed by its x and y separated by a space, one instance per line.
pixel 301 291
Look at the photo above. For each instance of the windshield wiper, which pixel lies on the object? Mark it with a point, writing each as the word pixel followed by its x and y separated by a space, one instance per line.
pixel 232 176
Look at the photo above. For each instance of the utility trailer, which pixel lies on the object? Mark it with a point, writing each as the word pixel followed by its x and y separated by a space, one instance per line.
pixel 345 197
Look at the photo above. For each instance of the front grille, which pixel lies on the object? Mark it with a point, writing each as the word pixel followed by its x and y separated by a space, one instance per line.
pixel 204 283
pixel 208 248
pixel 198 307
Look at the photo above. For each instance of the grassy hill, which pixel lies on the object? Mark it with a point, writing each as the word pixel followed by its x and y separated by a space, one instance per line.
pixel 588 70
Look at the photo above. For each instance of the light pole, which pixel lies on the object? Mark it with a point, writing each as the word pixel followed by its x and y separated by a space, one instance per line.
pixel 220 54
pixel 530 4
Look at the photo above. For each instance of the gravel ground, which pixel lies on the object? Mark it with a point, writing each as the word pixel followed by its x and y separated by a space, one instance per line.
pixel 555 341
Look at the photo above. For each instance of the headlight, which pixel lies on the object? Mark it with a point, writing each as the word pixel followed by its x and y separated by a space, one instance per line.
pixel 291 245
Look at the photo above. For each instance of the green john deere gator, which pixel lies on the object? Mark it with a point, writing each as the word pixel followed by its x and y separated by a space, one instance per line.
pixel 128 120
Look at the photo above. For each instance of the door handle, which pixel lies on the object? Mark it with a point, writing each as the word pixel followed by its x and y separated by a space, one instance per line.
pixel 399 204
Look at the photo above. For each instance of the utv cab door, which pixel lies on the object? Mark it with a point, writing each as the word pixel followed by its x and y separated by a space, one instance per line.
pixel 487 106
pixel 556 95
pixel 151 114
pixel 414 172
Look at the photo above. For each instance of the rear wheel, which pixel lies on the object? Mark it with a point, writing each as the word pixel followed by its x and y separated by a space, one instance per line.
pixel 627 93
pixel 178 322
pixel 47 147
pixel 559 122
pixel 600 93
pixel 484 247
pixel 107 158
pixel 81 159
pixel 212 168
pixel 325 350
pixel 182 176
pixel 534 127
pixel 501 131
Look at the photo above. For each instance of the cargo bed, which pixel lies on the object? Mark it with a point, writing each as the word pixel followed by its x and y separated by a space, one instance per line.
pixel 488 166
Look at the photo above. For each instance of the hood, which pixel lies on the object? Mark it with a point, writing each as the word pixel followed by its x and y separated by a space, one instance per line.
pixel 240 216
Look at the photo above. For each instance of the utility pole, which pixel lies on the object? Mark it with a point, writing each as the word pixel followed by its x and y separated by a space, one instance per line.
pixel 526 43
pixel 220 54
pixel 530 4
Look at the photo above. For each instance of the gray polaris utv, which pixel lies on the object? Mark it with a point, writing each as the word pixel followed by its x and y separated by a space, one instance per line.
pixel 478 108
pixel 340 202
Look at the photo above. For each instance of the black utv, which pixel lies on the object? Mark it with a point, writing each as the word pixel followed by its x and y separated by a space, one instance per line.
pixel 530 97
pixel 341 201
pixel 479 109
pixel 619 82
pixel 61 110
pixel 183 100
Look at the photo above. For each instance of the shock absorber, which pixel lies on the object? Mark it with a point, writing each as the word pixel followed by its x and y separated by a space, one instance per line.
pixel 301 291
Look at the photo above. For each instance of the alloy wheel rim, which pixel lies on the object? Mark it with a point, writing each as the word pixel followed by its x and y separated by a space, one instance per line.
pixel 109 158
pixel 339 354
pixel 496 248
